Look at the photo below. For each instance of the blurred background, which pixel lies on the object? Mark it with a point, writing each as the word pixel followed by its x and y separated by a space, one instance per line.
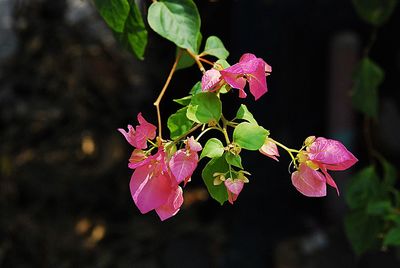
pixel 66 86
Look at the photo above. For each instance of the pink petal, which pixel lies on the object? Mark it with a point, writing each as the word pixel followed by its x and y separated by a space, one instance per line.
pixel 130 135
pixel 331 153
pixel 183 164
pixel 257 81
pixel 270 149
pixel 172 206
pixel 210 80
pixel 234 188
pixel 329 179
pixel 193 145
pixel 309 182
pixel 234 80
pixel 149 189
pixel 144 131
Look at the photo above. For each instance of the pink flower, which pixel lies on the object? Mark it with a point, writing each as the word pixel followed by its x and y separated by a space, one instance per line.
pixel 330 154
pixel 152 186
pixel 251 69
pixel 144 131
pixel 211 80
pixel 234 187
pixel 184 161
pixel 269 149
pixel 309 182
pixel 321 154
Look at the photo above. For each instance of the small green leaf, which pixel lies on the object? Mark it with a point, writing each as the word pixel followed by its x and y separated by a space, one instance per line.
pixel 392 238
pixel 114 12
pixel 375 12
pixel 196 89
pixel 134 35
pixel 379 207
pixel 215 47
pixel 367 79
pixel 204 108
pixel 183 101
pixel 176 20
pixel 363 187
pixel 221 63
pixel 244 113
pixel 178 123
pixel 212 149
pixel 218 192
pixel 362 231
pixel 250 136
pixel 234 160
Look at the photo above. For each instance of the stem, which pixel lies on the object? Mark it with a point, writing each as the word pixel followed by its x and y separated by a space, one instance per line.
pixel 205 131
pixel 289 150
pixel 187 133
pixel 158 100
pixel 224 124
pixel 197 60
pixel 206 61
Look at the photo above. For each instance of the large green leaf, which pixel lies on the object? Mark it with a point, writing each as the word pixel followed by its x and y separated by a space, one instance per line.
pixel 215 47
pixel 250 136
pixel 375 12
pixel 186 60
pixel 177 21
pixel 213 148
pixel 218 192
pixel 367 79
pixel 178 123
pixel 134 35
pixel 362 188
pixel 183 101
pixel 362 231
pixel 204 108
pixel 114 12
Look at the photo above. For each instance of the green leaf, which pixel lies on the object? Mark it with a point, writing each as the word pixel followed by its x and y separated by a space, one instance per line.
pixel 176 20
pixel 178 123
pixel 196 89
pixel 204 108
pixel 212 149
pixel 134 35
pixel 250 136
pixel 221 63
pixel 367 79
pixel 389 174
pixel 186 60
pixel 362 231
pixel 375 12
pixel 392 238
pixel 114 12
pixel 234 160
pixel 379 207
pixel 362 188
pixel 245 114
pixel 183 101
pixel 218 192
pixel 215 47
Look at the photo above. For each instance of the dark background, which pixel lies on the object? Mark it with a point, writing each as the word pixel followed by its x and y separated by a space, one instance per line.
pixel 66 86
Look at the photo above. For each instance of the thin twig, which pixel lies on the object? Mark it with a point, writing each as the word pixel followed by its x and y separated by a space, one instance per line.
pixel 158 100
pixel 196 59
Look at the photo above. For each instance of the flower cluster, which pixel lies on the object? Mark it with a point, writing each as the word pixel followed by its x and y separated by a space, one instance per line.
pixel 155 182
pixel 249 68
pixel 320 155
